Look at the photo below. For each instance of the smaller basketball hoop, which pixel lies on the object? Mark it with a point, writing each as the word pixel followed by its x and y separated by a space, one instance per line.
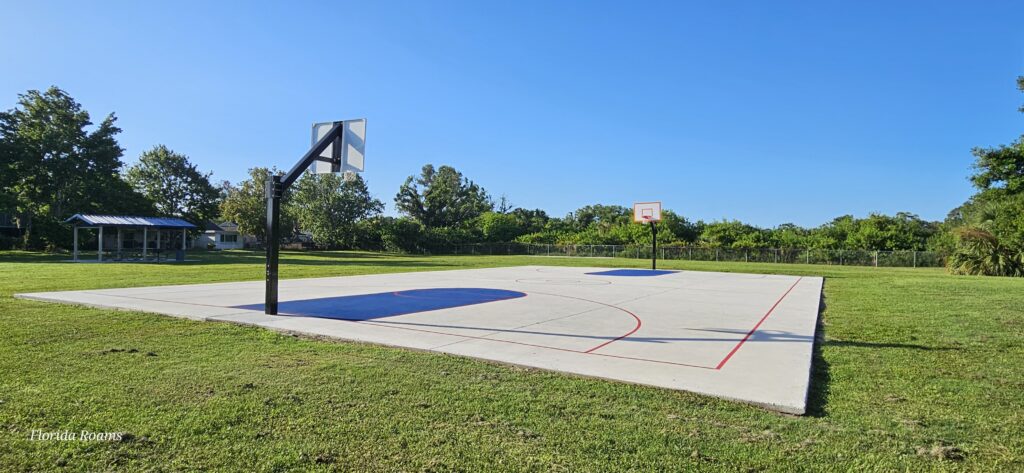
pixel 349 176
pixel 649 213
pixel 646 212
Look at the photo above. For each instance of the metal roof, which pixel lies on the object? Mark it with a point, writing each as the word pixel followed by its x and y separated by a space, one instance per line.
pixel 130 221
pixel 226 226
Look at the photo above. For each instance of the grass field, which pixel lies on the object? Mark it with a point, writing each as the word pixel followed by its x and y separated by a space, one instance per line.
pixel 918 371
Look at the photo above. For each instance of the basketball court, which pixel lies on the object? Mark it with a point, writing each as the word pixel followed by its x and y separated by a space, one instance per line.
pixel 745 337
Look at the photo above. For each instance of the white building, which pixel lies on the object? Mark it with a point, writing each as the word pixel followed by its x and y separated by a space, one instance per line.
pixel 221 236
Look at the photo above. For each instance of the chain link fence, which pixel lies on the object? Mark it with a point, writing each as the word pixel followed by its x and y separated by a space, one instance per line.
pixel 898 258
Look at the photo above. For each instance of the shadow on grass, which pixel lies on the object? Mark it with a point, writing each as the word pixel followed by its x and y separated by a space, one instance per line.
pixel 32 257
pixel 910 346
pixel 817 396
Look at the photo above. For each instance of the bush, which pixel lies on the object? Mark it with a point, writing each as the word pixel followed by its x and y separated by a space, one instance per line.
pixel 369 234
pixel 443 239
pixel 401 235
pixel 498 227
pixel 543 237
pixel 981 253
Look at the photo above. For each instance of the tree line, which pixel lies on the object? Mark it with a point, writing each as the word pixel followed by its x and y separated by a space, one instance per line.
pixel 55 163
pixel 988 230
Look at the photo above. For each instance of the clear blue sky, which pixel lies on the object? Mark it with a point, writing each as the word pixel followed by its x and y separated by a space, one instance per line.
pixel 767 112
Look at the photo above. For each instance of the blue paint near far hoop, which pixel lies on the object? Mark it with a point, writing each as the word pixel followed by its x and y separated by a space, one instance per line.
pixel 389 304
pixel 633 272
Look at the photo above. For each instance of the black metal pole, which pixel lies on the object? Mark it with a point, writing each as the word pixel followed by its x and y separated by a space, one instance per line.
pixel 654 245
pixel 276 185
pixel 273 241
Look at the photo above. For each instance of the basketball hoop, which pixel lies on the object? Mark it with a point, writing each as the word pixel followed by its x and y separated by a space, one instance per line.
pixel 337 147
pixel 645 212
pixel 346 153
pixel 648 213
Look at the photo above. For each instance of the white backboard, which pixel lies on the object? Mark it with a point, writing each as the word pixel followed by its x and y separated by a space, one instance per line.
pixel 353 146
pixel 644 212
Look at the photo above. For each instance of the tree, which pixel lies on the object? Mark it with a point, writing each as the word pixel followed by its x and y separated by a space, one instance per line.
pixel 1020 87
pixel 731 234
pixel 504 205
pixel 904 231
pixel 508 226
pixel 401 235
pixel 246 205
pixel 606 215
pixel 54 166
pixel 988 229
pixel 175 185
pixel 369 233
pixel 442 198
pixel 835 234
pixel 1000 169
pixel 499 227
pixel 530 221
pixel 789 235
pixel 329 207
pixel 8 163
pixel 223 189
pixel 677 226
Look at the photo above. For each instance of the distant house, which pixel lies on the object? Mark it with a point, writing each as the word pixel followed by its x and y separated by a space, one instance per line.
pixel 222 236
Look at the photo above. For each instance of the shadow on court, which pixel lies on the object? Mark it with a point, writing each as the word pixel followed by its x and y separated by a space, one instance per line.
pixel 388 304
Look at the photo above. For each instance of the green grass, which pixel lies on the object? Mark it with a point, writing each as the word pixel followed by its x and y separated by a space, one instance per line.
pixel 919 371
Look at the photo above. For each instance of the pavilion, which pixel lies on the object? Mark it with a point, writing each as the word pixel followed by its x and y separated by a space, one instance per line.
pixel 128 246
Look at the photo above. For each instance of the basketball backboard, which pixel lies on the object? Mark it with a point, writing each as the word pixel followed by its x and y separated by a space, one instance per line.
pixel 352 152
pixel 645 212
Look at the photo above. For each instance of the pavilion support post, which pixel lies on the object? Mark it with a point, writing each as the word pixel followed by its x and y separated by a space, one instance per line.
pixel 99 253
pixel 145 242
pixel 182 239
pixel 157 245
pixel 74 253
pixel 120 241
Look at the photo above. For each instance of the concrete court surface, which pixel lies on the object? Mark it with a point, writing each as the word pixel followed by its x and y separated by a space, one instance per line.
pixel 746 337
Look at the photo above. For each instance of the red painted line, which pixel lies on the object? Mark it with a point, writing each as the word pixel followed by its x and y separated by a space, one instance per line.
pixel 568 350
pixel 631 332
pixel 474 337
pixel 620 337
pixel 759 322
pixel 652 361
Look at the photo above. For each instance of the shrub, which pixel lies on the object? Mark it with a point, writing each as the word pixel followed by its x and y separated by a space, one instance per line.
pixel 981 253
pixel 401 235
